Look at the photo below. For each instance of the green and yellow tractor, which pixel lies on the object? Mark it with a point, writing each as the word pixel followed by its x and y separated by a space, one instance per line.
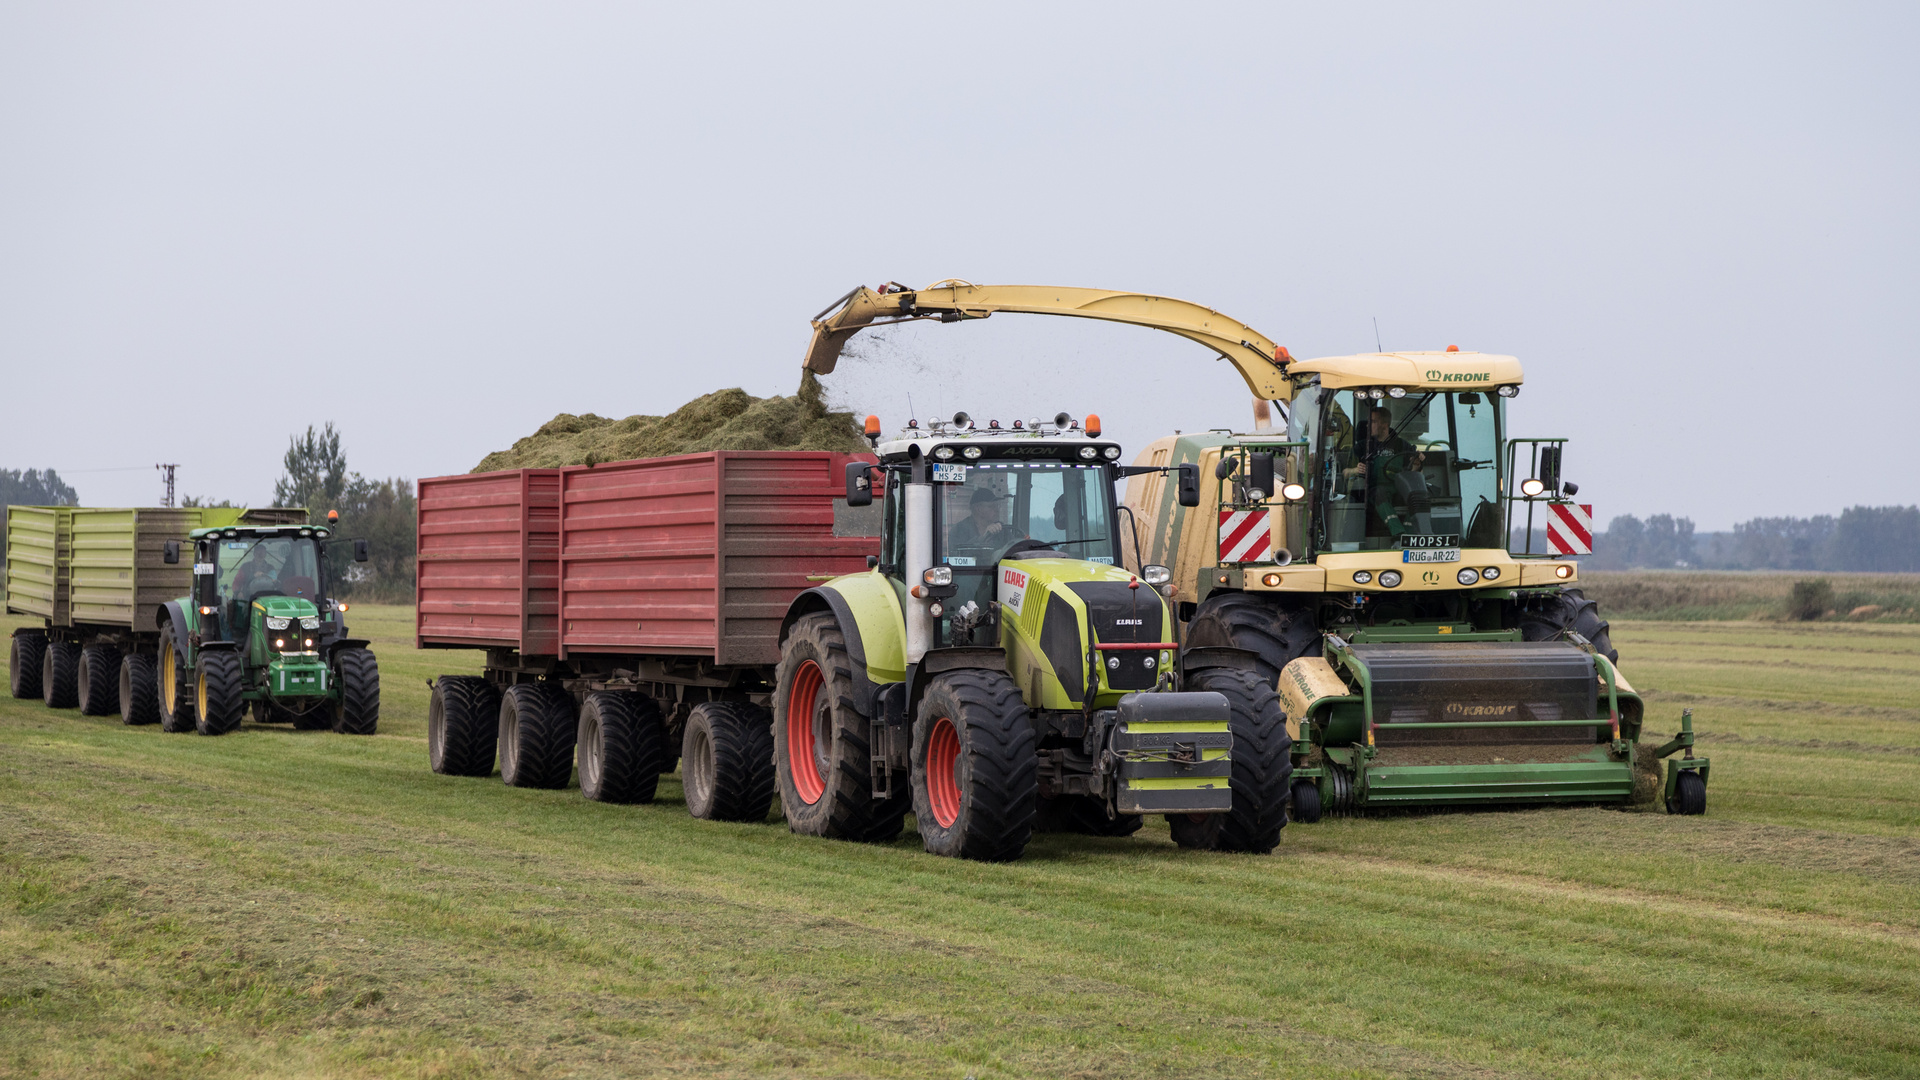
pixel 998 670
pixel 258 632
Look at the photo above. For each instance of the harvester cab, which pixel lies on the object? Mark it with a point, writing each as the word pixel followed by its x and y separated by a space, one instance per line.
pixel 260 632
pixel 998 667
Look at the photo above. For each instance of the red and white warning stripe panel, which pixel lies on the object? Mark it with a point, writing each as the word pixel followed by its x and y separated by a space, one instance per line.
pixel 1246 536
pixel 1570 528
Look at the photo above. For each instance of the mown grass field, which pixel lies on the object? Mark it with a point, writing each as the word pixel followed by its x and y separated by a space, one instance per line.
pixel 305 904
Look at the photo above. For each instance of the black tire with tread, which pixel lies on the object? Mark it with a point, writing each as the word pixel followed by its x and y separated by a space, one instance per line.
pixel 1305 807
pixel 997 768
pixel 1274 631
pixel 463 725
pixel 846 809
pixel 1546 618
pixel 537 729
pixel 218 681
pixel 726 761
pixel 1262 778
pixel 59 675
pixel 1082 814
pixel 176 717
pixel 1196 832
pixel 24 657
pixel 139 692
pixel 357 710
pixel 620 747
pixel 1689 795
pixel 98 681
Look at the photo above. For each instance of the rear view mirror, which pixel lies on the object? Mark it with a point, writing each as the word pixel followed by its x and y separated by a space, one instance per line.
pixel 1225 466
pixel 359 551
pixel 170 552
pixel 1260 475
pixel 859 484
pixel 1189 484
pixel 1550 467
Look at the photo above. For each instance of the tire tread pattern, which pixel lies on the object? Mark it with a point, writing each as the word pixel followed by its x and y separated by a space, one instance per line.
pixel 358 710
pixel 1274 632
pixel 463 726
pixel 25 655
pixel 1262 777
pixel 850 811
pixel 998 805
pixel 139 689
pixel 225 707
pixel 743 773
pixel 543 729
pixel 632 747
pixel 59 675
pixel 98 685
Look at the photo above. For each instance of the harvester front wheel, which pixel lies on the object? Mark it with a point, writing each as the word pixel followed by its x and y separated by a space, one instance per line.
pixel 976 779
pixel 24 658
pixel 537 729
pixel 726 761
pixel 1549 617
pixel 1262 778
pixel 621 746
pixel 59 675
pixel 1275 632
pixel 1689 795
pixel 217 687
pixel 463 725
pixel 98 681
pixel 173 691
pixel 822 746
pixel 357 710
pixel 139 699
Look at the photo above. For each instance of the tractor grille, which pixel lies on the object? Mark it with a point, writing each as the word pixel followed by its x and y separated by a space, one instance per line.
pixel 1121 614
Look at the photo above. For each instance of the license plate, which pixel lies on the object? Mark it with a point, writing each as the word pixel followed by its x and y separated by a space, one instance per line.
pixel 949 474
pixel 1430 540
pixel 1431 555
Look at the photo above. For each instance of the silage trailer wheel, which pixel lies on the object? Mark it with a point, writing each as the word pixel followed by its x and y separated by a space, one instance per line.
pixel 139 693
pixel 24 662
pixel 619 748
pixel 463 725
pixel 59 675
pixel 98 680
pixel 726 761
pixel 537 728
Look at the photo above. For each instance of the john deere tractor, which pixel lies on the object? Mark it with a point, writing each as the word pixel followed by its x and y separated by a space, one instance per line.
pixel 1357 558
pixel 259 633
pixel 998 670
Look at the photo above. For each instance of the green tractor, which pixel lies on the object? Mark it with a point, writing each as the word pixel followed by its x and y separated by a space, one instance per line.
pixel 998 670
pixel 259 633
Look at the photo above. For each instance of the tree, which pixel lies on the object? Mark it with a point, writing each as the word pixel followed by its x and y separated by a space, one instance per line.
pixel 33 487
pixel 381 512
pixel 316 471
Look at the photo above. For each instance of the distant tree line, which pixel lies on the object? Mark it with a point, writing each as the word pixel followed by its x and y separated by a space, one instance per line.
pixel 382 512
pixel 33 487
pixel 1861 539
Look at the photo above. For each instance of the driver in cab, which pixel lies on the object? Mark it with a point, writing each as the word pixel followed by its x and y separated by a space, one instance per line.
pixel 982 528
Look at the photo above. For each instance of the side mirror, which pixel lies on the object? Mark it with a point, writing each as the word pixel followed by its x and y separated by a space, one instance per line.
pixel 1225 466
pixel 1260 474
pixel 1189 484
pixel 170 552
pixel 859 484
pixel 1550 467
pixel 359 551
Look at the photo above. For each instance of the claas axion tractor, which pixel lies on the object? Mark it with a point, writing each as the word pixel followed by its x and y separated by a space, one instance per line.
pixel 1357 562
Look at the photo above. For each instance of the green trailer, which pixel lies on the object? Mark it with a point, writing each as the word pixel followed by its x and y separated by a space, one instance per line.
pixel 98 580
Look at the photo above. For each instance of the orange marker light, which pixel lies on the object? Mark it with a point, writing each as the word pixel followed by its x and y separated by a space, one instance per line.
pixel 1453 348
pixel 1093 425
pixel 333 517
pixel 873 426
pixel 1281 355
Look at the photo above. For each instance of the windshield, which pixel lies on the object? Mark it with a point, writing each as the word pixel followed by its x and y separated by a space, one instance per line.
pixel 252 567
pixel 990 508
pixel 1390 469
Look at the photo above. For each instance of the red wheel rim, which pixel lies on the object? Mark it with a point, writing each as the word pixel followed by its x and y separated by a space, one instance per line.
pixel 801 701
pixel 943 787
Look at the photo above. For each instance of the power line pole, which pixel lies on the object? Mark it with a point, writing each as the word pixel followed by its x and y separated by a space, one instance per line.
pixel 168 469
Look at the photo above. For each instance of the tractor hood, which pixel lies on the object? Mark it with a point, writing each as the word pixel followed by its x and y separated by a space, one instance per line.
pixel 286 607
pixel 1055 611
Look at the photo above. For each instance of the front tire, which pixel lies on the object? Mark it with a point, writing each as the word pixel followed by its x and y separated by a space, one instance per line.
pixel 24 660
pixel 1547 618
pixel 975 773
pixel 139 698
pixel 217 689
pixel 621 747
pixel 98 680
pixel 463 726
pixel 59 675
pixel 822 747
pixel 1276 633
pixel 1689 795
pixel 726 761
pixel 1262 761
pixel 357 710
pixel 174 690
pixel 537 726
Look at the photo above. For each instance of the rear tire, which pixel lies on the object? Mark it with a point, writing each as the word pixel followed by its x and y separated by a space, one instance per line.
pixel 621 746
pixel 357 711
pixel 975 773
pixel 1689 795
pixel 217 686
pixel 822 746
pixel 726 761
pixel 537 727
pixel 98 680
pixel 173 688
pixel 463 726
pixel 1262 759
pixel 139 699
pixel 1306 802
pixel 1198 832
pixel 59 675
pixel 24 658
pixel 1548 617
pixel 1278 634
pixel 1082 814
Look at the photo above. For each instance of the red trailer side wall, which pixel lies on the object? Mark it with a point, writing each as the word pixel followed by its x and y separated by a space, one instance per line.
pixel 695 555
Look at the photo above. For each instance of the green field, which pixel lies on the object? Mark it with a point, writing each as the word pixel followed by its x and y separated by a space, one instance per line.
pixel 308 904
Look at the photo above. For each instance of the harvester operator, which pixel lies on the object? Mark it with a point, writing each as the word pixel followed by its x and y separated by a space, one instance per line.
pixel 1385 454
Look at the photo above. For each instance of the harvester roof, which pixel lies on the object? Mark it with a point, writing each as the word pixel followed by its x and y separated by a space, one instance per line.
pixel 1450 370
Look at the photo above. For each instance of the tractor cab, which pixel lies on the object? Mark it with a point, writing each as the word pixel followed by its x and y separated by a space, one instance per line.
pixel 262 584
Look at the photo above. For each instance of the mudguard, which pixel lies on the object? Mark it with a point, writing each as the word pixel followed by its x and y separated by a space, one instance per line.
pixel 174 619
pixel 868 611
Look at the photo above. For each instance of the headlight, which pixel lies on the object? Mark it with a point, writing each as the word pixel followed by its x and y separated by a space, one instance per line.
pixel 1293 492
pixel 944 453
pixel 1111 453
pixel 1089 452
pixel 278 624
pixel 1508 391
pixel 1376 393
pixel 937 575
pixel 1155 574
pixel 1396 391
pixel 1361 577
pixel 1113 663
pixel 279 643
pixel 1491 573
pixel 1148 661
pixel 1531 487
pixel 310 622
pixel 1390 578
pixel 935 609
pixel 971 453
pixel 1468 576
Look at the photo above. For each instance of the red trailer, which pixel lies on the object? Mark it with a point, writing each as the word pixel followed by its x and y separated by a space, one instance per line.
pixel 630 613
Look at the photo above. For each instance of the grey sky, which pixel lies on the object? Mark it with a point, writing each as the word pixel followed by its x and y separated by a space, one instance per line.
pixel 438 225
